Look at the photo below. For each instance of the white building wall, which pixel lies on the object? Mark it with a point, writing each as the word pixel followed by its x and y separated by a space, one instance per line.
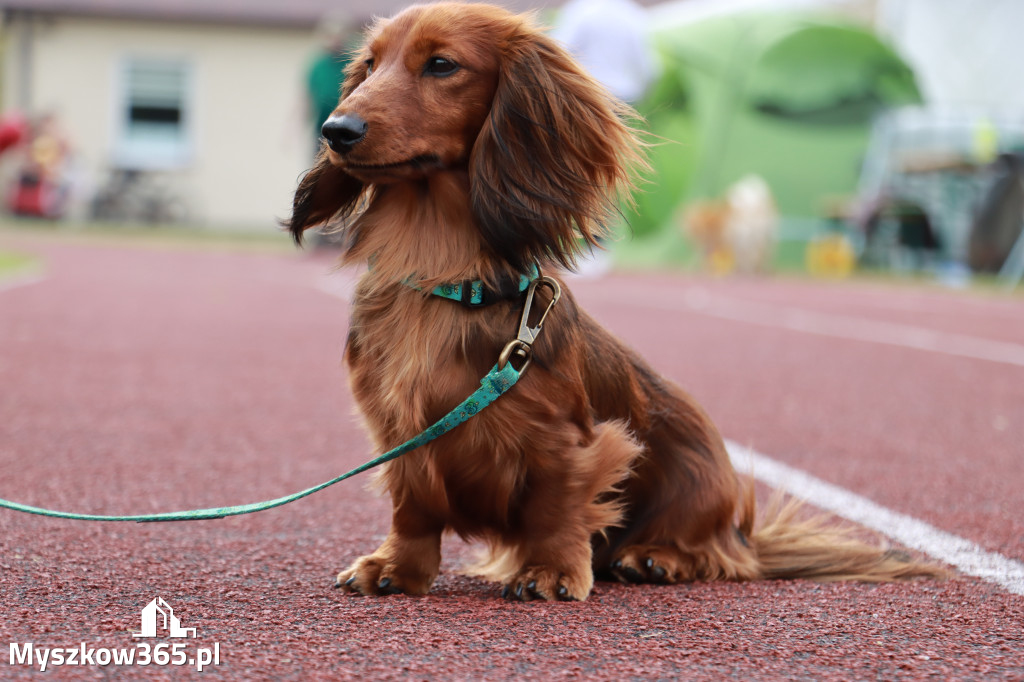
pixel 250 140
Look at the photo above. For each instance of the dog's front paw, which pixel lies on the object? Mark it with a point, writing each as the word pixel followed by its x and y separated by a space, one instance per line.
pixel 374 576
pixel 540 582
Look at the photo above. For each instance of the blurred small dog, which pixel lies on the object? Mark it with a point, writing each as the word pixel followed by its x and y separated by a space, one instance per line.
pixel 737 233
pixel 468 145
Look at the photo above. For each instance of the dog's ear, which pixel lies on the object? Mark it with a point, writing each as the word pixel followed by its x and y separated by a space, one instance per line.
pixel 553 158
pixel 326 192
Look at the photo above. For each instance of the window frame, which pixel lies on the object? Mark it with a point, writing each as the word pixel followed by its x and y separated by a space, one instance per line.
pixel 131 151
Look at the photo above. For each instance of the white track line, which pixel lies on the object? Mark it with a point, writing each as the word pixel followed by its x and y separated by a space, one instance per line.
pixel 966 556
pixel 848 327
pixel 22 280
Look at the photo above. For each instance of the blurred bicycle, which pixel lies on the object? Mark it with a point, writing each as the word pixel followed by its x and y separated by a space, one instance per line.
pixel 134 196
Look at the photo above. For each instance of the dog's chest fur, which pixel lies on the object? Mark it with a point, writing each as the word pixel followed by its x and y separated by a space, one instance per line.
pixel 412 358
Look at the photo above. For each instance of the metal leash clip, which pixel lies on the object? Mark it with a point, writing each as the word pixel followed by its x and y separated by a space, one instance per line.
pixel 521 347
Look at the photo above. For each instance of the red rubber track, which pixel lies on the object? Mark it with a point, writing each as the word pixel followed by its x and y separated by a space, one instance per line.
pixel 135 380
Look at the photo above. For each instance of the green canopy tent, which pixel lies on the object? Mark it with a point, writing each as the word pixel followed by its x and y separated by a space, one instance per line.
pixel 786 97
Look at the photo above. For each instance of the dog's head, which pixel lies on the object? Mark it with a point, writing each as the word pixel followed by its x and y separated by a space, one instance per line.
pixel 474 88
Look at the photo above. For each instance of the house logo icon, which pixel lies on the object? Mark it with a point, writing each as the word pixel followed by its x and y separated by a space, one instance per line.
pixel 158 615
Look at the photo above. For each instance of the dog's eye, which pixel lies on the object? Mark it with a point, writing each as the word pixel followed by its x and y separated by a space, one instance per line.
pixel 439 66
pixel 369 66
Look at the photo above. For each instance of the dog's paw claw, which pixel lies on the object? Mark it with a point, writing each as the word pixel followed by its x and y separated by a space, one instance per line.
pixel 346 584
pixel 385 587
pixel 655 572
pixel 563 594
pixel 521 592
pixel 633 575
pixel 517 593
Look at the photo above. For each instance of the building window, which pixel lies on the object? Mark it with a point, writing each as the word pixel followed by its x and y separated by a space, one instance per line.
pixel 153 115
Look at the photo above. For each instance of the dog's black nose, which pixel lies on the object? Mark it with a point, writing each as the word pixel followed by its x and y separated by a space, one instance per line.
pixel 343 132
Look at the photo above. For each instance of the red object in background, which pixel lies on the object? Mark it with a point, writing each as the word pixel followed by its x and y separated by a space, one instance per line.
pixel 13 129
pixel 39 190
pixel 30 197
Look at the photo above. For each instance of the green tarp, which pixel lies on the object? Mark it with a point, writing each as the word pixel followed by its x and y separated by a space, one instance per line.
pixel 789 98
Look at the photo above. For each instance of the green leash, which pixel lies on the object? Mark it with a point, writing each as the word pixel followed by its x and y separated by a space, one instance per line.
pixel 495 383
pixel 492 386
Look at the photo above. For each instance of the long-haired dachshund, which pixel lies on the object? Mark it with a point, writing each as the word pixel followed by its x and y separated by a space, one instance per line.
pixel 469 146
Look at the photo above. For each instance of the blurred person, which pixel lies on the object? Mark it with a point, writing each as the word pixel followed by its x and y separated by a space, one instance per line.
pixel 324 77
pixel 41 189
pixel 326 71
pixel 610 39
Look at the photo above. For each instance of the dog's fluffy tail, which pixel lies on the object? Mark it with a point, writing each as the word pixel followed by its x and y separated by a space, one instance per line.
pixel 789 544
